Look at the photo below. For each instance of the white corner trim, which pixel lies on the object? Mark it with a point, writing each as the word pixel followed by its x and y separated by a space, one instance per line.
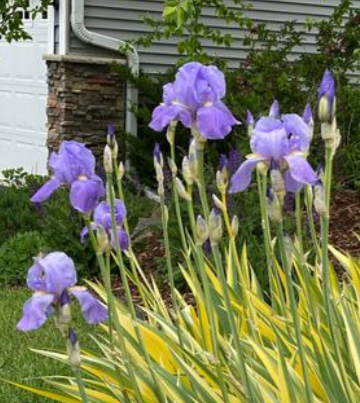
pixel 64 26
pixel 106 42
pixel 51 30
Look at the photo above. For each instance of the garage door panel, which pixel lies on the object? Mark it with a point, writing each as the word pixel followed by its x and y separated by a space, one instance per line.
pixel 23 93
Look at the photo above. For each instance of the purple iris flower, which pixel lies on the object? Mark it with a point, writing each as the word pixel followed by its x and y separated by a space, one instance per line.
pixel 280 143
pixel 73 166
pixel 53 279
pixel 102 218
pixel 194 99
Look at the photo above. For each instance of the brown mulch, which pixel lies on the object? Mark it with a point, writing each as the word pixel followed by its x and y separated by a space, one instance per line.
pixel 345 223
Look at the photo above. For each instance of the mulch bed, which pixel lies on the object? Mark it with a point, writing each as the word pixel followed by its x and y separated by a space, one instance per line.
pixel 345 223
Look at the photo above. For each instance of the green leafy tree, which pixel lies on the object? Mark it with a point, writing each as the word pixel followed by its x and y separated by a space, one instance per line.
pixel 12 12
pixel 185 20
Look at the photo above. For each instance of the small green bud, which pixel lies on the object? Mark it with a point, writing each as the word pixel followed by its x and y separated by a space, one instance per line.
pixel 218 203
pixel 108 162
pixel 235 225
pixel 73 349
pixel 274 207
pixel 215 227
pixel 187 172
pixel 319 200
pixel 181 190
pixel 64 318
pixel 102 239
pixel 278 184
pixel 170 133
pixel 221 181
pixel 201 231
pixel 121 170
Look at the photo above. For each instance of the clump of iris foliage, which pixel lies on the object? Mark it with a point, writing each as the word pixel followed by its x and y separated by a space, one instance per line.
pixel 235 343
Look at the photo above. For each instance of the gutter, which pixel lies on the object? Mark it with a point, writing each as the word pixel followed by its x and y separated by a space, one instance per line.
pixel 106 42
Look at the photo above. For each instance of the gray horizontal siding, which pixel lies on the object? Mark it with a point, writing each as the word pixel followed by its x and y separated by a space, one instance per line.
pixel 122 19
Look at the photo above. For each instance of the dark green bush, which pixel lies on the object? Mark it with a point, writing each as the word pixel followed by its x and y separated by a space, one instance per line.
pixel 16 256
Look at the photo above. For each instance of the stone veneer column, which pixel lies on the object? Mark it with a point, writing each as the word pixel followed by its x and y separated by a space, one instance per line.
pixel 84 96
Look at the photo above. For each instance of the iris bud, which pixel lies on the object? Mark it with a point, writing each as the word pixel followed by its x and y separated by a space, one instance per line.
pixel 327 98
pixel 181 190
pixel 250 123
pixel 274 208
pixel 215 227
pixel 108 161
pixel 202 231
pixel 121 170
pixel 102 239
pixel 170 133
pixel 235 225
pixel 64 318
pixel 111 141
pixel 221 180
pixel 218 203
pixel 187 172
pixel 73 349
pixel 319 199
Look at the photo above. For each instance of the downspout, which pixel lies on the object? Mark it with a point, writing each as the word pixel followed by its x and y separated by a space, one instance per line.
pixel 106 42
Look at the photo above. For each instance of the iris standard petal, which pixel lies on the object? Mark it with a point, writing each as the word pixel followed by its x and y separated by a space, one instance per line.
pixel 85 194
pixel 242 177
pixel 300 169
pixel 35 312
pixel 271 145
pixel 52 274
pixel 297 131
pixel 91 308
pixel 215 122
pixel 46 191
pixel 72 160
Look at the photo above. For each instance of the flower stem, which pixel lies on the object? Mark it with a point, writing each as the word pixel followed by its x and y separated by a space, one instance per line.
pixel 81 386
pixel 177 202
pixel 309 212
pixel 298 215
pixel 201 180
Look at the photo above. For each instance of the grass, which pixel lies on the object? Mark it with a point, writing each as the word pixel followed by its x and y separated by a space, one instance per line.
pixel 17 362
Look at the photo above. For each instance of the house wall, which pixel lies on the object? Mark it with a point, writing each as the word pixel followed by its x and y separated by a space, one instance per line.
pixel 122 19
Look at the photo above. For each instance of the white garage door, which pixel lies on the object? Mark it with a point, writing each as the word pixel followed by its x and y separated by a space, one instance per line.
pixel 23 99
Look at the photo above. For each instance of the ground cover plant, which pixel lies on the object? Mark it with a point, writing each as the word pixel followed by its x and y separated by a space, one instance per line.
pixel 233 342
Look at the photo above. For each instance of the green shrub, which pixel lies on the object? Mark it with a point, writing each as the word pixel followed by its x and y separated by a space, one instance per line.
pixel 16 256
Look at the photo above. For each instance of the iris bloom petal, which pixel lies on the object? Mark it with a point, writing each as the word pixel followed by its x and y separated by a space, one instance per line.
pixel 300 169
pixel 35 312
pixel 91 308
pixel 242 177
pixel 215 122
pixel 46 191
pixel 52 274
pixel 291 185
pixel 85 194
pixel 123 239
pixel 164 114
